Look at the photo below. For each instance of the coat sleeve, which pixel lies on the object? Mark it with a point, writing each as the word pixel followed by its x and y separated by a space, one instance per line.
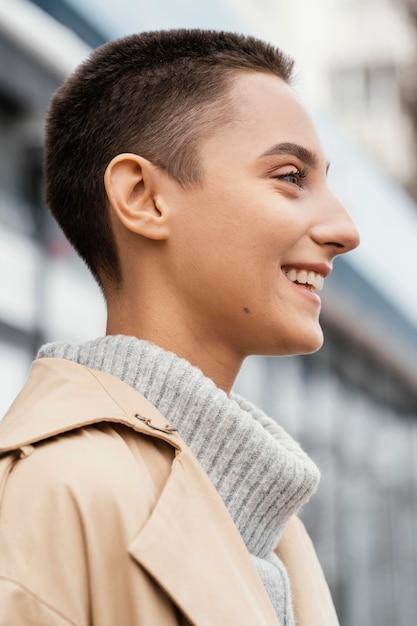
pixel 17 604
pixel 42 572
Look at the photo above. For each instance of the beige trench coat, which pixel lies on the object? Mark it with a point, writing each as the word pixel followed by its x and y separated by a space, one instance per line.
pixel 107 519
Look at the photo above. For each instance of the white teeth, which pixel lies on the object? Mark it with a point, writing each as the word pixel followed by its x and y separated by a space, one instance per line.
pixel 302 276
pixel 305 277
pixel 292 275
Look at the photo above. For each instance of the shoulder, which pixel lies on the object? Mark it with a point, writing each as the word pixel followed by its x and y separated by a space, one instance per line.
pixel 96 485
pixel 102 462
pixel 75 428
pixel 73 502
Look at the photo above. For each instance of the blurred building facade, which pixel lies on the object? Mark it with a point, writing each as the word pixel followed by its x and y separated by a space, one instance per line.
pixel 353 405
pixel 40 277
pixel 408 87
pixel 359 64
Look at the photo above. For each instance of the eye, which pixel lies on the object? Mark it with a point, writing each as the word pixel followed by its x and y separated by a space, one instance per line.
pixel 295 177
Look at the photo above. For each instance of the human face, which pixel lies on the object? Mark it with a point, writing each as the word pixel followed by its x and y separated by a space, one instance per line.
pixel 261 225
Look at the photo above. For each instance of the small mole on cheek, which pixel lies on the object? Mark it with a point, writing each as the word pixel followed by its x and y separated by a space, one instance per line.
pixel 246 309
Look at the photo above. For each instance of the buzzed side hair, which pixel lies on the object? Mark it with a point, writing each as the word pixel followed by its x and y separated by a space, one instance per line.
pixel 155 94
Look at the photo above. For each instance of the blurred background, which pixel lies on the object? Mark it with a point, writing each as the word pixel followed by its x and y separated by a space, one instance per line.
pixel 353 405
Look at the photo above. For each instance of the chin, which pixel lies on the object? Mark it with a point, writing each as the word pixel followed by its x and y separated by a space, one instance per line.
pixel 306 342
pixel 283 341
pixel 312 343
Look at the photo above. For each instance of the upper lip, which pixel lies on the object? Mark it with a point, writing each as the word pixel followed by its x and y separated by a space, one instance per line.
pixel 319 268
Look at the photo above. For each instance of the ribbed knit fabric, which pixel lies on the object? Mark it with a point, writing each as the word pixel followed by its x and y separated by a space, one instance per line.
pixel 260 472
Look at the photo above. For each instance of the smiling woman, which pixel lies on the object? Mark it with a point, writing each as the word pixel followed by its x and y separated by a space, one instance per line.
pixel 191 180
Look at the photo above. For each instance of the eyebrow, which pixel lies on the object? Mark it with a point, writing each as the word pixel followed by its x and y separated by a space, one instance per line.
pixel 304 154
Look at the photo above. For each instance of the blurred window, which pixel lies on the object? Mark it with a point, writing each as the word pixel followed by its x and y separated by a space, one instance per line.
pixel 366 89
pixel 14 367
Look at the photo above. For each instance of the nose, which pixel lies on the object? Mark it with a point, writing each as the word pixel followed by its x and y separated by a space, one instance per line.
pixel 335 228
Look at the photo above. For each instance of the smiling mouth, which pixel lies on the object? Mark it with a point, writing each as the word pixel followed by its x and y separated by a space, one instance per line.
pixel 306 278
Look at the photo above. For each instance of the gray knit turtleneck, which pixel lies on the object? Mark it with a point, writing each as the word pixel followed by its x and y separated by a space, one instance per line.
pixel 260 472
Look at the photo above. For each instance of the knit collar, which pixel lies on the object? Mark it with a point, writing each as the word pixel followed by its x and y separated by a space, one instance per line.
pixel 260 472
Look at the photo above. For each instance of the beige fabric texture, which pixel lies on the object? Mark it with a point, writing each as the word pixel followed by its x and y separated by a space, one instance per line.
pixel 107 519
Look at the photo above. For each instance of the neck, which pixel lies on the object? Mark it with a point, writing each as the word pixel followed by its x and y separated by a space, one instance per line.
pixel 200 348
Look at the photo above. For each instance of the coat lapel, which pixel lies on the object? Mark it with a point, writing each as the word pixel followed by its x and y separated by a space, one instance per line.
pixel 191 546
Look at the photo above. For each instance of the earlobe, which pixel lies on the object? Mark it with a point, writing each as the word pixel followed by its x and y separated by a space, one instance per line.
pixel 132 187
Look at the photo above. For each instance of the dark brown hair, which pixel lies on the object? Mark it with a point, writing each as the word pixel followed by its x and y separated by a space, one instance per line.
pixel 156 94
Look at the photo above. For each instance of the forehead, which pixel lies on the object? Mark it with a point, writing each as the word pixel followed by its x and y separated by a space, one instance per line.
pixel 265 113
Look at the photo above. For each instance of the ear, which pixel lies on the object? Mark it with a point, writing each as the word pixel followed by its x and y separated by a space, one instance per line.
pixel 132 185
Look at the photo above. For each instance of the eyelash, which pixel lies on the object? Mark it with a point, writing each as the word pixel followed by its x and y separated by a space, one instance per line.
pixel 298 174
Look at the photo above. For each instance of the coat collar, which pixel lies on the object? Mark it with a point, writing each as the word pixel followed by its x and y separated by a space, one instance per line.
pixel 211 577
pixel 100 397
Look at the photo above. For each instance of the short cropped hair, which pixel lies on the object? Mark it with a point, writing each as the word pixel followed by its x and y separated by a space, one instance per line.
pixel 155 94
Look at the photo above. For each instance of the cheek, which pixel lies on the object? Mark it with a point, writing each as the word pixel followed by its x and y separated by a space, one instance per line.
pixel 271 241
